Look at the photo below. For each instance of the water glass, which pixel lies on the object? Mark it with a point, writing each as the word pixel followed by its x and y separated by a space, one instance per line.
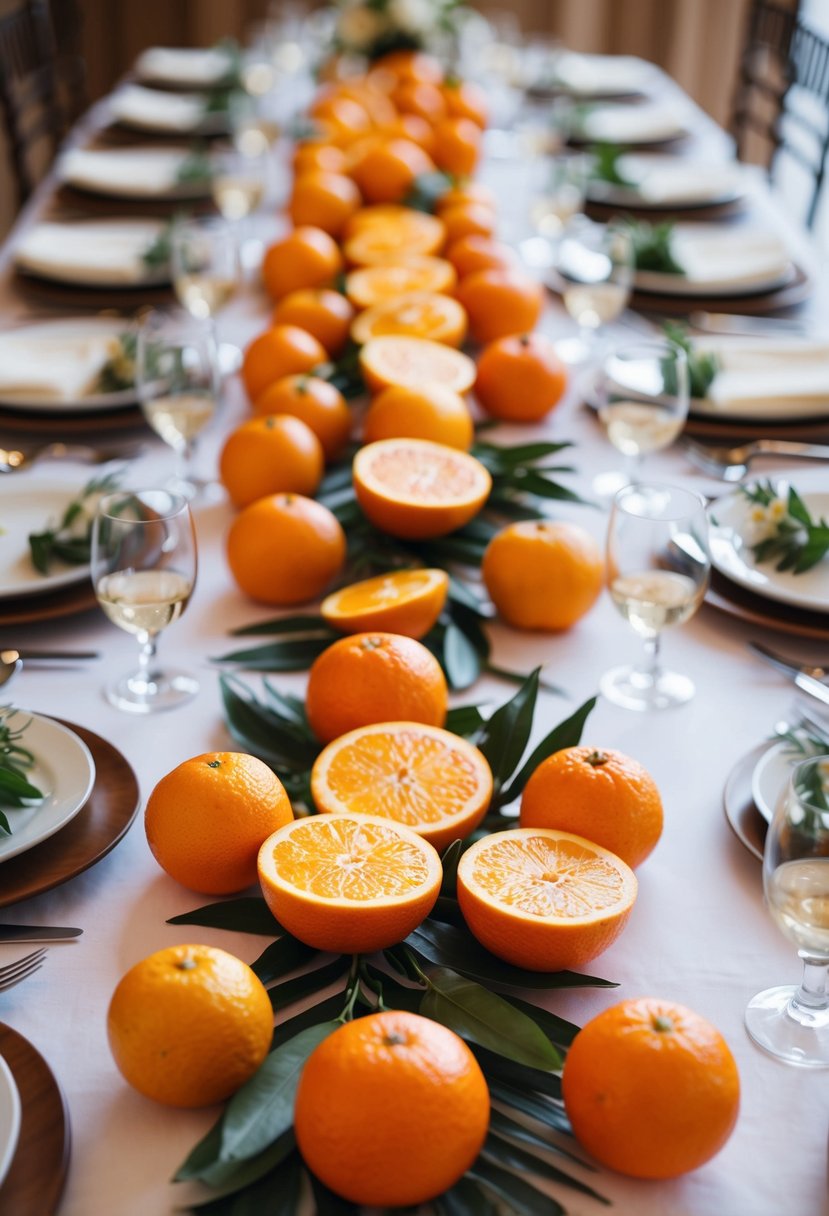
pixel 204 259
pixel 593 271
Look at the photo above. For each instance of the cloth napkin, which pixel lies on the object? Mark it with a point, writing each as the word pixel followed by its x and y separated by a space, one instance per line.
pixel 602 75
pixel 105 252
pixel 768 376
pixel 183 65
pixel 632 124
pixel 49 367
pixel 672 180
pixel 138 172
pixel 157 110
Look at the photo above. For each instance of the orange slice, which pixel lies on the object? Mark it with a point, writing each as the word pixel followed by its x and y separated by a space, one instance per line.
pixel 403 601
pixel 419 272
pixel 543 899
pixel 418 314
pixel 416 489
pixel 423 777
pixel 348 883
pixel 379 240
pixel 413 362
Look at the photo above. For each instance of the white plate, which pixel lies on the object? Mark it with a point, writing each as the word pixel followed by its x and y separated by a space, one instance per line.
pixel 775 378
pixel 64 770
pixel 732 557
pixel 659 182
pixel 602 75
pixel 648 123
pixel 93 253
pixel 31 507
pixel 721 261
pixel 161 112
pixel 769 778
pixel 10 1115
pixel 195 67
pixel 64 331
pixel 140 173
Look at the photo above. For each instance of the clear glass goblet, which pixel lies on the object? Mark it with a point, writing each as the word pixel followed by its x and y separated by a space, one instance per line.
pixel 792 1022
pixel 559 192
pixel 593 271
pixel 658 567
pixel 144 570
pixel 204 259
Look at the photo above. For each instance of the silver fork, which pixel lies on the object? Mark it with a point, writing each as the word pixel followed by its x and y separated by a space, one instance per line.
pixel 730 464
pixel 13 973
pixel 13 459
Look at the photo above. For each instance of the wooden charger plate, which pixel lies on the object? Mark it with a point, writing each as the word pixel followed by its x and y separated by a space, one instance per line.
pixel 727 596
pixel 29 609
pixel 95 830
pixel 71 423
pixel 745 821
pixel 37 1174
pixel 798 289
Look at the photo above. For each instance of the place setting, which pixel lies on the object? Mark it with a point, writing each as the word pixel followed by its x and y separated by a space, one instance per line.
pixel 157 111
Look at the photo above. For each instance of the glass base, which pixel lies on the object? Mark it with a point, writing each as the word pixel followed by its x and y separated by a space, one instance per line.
pixel 635 689
pixel 139 694
pixel 573 351
pixel 801 1040
pixel 607 485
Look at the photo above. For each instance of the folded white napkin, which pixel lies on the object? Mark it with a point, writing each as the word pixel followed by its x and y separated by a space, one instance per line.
pixel 720 255
pixel 632 124
pixel 183 65
pixel 602 75
pixel 157 110
pixel 768 376
pixel 99 252
pixel 48 366
pixel 136 172
pixel 670 180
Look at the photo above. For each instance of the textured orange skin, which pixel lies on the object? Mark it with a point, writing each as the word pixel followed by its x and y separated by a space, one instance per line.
pixel 457 145
pixel 282 350
pixel 315 402
pixel 543 575
pixel 189 1035
pixel 433 412
pixel 651 1103
pixel 464 99
pixel 306 257
pixel 323 200
pixel 472 253
pixel 323 313
pixel 285 549
pixel 206 819
pixel 411 616
pixel 614 802
pixel 391 1109
pixel 520 378
pixel 500 302
pixel 270 455
pixel 374 677
pixel 387 171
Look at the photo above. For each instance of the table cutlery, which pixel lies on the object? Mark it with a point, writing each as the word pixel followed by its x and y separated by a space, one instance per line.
pixel 790 666
pixel 806 683
pixel 731 323
pixel 36 933
pixel 14 459
pixel 10 664
pixel 49 656
pixel 731 464
pixel 22 969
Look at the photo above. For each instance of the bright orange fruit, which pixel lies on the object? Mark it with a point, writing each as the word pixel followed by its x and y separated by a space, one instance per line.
pixel 285 549
pixel 280 351
pixel 416 314
pixel 322 312
pixel 317 403
pixel 373 284
pixel 414 363
pixel 408 602
pixel 270 455
pixel 432 412
pixel 306 257
pixel 520 378
pixel 542 574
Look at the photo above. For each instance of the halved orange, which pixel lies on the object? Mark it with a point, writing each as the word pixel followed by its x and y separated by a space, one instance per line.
pixel 543 899
pixel 396 359
pixel 422 777
pixel 377 239
pixel 348 883
pixel 419 272
pixel 417 314
pixel 416 489
pixel 402 601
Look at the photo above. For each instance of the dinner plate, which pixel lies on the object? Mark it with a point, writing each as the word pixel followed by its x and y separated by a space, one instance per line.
pixel 647 123
pixel 65 338
pixel 766 378
pixel 194 67
pixel 64 770
pixel 659 182
pixel 27 507
pixel 35 1181
pixel 771 772
pixel 601 75
pixel 9 1118
pixel 161 112
pixel 93 253
pixel 745 821
pixel 719 260
pixel 732 557
pixel 137 173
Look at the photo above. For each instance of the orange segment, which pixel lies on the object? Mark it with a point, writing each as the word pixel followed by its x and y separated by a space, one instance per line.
pixel 543 899
pixel 404 601
pixel 348 883
pixel 424 777
pixel 383 234
pixel 416 489
pixel 373 284
pixel 395 359
pixel 417 314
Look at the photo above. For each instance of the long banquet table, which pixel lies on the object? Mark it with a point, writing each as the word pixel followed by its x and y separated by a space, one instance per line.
pixel 699 933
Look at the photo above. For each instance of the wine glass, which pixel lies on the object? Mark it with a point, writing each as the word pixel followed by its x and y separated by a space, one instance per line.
pixel 204 259
pixel 560 187
pixel 144 571
pixel 657 572
pixel 177 381
pixel 238 182
pixel 792 1023
pixel 642 395
pixel 594 273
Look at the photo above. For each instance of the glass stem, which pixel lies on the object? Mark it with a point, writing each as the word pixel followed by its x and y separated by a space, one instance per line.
pixel 811 996
pixel 146 657
pixel 633 467
pixel 652 667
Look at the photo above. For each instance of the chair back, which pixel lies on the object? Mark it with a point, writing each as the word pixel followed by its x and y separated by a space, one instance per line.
pixel 28 99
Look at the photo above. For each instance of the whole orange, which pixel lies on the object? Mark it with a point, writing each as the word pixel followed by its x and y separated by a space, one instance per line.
pixel 651 1088
pixel 306 257
pixel 342 118
pixel 468 219
pixel 419 97
pixel 457 145
pixel 407 65
pixel 413 127
pixel 465 99
pixel 270 455
pixel 285 549
pixel 391 1109
pixel 465 191
pixel 324 200
pixel 520 378
pixel 180 1008
pixel 374 677
pixel 315 154
pixel 320 405
pixel 433 412
pixel 543 575
pixel 279 351
pixel 207 818
pixel 598 793
pixel 500 302
pixel 388 170
pixel 474 252
pixel 322 312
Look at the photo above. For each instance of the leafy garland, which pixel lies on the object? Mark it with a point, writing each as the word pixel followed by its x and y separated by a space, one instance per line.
pixel 66 541
pixel 15 788
pixel 249 1158
pixel 652 246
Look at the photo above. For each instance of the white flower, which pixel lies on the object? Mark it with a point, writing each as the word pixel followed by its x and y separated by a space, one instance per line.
pixel 413 16
pixel 778 509
pixel 358 28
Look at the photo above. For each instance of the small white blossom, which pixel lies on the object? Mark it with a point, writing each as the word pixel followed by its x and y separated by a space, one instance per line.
pixel 778 509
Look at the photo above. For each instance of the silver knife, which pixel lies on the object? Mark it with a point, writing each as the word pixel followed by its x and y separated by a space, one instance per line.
pixel 731 323
pixel 36 933
pixel 813 687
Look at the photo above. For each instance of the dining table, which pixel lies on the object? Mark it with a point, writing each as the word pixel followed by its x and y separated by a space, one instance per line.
pixel 700 933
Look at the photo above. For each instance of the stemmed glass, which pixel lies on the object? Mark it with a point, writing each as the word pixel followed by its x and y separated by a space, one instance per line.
pixel 560 188
pixel 177 381
pixel 642 395
pixel 204 259
pixel 144 571
pixel 594 273
pixel 658 568
pixel 792 1023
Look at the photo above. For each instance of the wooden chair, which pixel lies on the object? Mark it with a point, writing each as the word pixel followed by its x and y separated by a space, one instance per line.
pixel 782 101
pixel 66 24
pixel 28 100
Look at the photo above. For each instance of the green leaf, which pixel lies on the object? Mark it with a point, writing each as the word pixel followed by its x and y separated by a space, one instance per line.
pixel 248 914
pixel 461 661
pixel 518 1195
pixel 277 1193
pixel 264 1107
pixel 510 1155
pixel 567 734
pixel 504 737
pixel 515 1074
pixel 557 1029
pixel 324 1011
pixel 285 954
pixel 537 1106
pixel 260 730
pixel 449 861
pixel 475 1013
pixel 465 1198
pixel 295 655
pixel 231 1176
pixel 291 991
pixel 202 1155
pixel 504 1126
pixel 395 994
pixel 5 826
pixel 466 720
